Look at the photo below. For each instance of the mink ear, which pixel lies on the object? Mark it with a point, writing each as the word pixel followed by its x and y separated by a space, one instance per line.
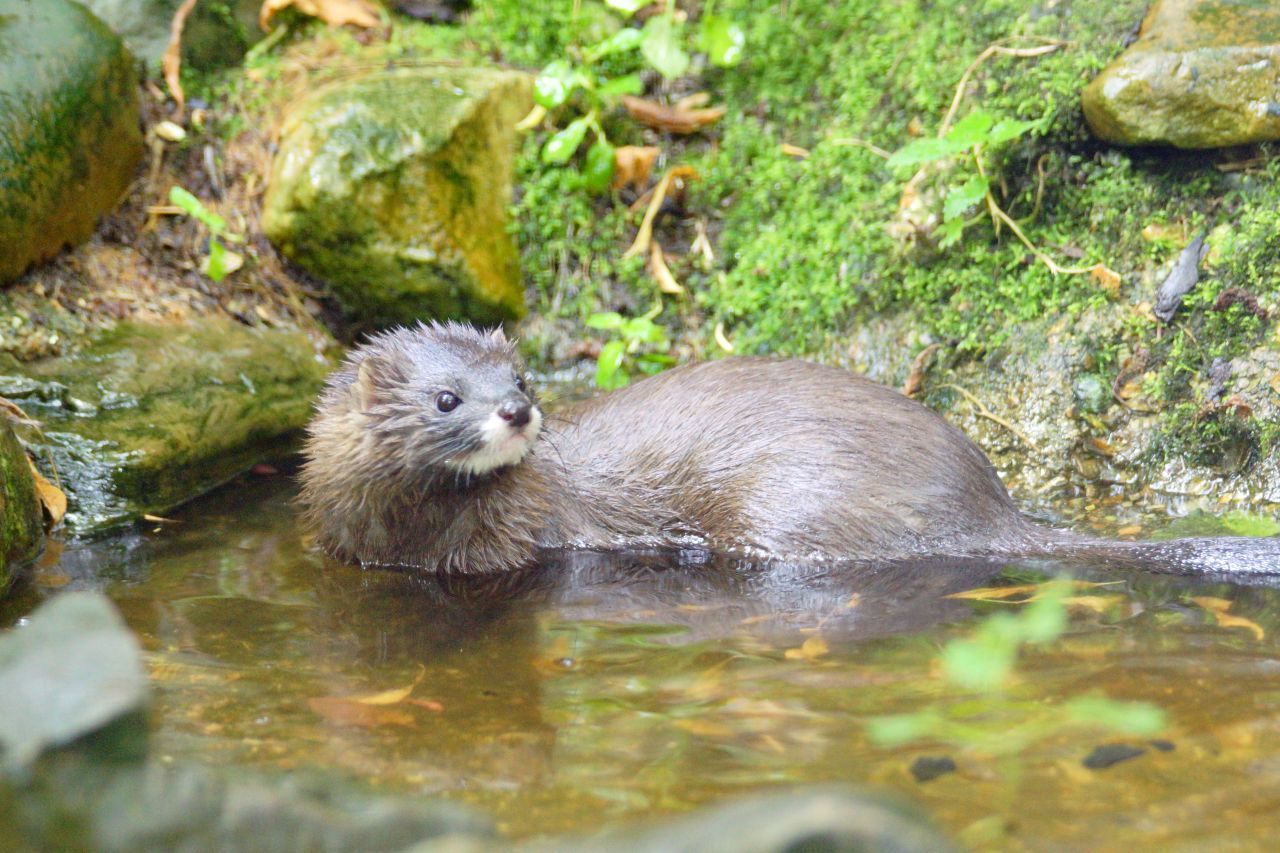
pixel 366 388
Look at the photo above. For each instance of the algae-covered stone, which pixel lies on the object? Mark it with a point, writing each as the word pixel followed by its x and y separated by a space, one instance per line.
pixel 150 415
pixel 1203 74
pixel 393 188
pixel 69 127
pixel 217 32
pixel 20 527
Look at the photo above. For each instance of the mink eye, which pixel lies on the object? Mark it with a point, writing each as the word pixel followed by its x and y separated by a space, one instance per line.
pixel 447 402
pixel 520 384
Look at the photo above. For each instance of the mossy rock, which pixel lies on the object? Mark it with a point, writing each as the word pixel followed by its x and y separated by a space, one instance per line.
pixel 69 127
pixel 217 33
pixel 1203 74
pixel 21 532
pixel 393 188
pixel 148 416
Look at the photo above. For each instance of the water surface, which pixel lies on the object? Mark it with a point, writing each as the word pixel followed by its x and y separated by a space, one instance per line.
pixel 606 689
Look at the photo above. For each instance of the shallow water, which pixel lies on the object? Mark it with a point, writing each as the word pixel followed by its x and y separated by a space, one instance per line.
pixel 606 689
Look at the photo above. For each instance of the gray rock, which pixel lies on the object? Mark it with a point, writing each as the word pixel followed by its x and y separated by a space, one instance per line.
pixel 71 669
pixel 69 127
pixel 75 802
pixel 21 531
pixel 148 416
pixel 828 819
pixel 1202 74
pixel 217 33
pixel 393 188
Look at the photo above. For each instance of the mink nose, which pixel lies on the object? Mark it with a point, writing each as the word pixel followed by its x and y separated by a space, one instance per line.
pixel 515 412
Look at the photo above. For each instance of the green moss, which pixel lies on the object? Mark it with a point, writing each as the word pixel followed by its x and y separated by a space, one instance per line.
pixel 21 532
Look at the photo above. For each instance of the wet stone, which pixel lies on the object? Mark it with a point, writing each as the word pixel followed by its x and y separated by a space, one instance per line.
pixel 148 416
pixel 1202 74
pixel 69 127
pixel 804 819
pixel 393 188
pixel 20 524
pixel 926 768
pixel 71 669
pixel 1110 754
pixel 216 34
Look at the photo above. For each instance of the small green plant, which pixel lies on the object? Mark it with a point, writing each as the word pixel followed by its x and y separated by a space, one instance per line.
pixel 640 345
pixel 220 262
pixel 971 137
pixel 992 720
pixel 661 43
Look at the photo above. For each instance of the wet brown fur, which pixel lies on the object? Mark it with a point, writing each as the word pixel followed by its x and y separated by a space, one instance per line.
pixel 782 460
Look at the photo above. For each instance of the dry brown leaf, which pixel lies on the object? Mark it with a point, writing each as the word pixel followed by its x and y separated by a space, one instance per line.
pixel 391 697
pixel 171 62
pixel 1096 603
pixel 670 119
pixel 428 704
pixel 722 340
pixel 1000 593
pixel 53 499
pixel 919 365
pixel 810 650
pixel 662 273
pixel 1106 278
pixel 1129 530
pixel 692 102
pixel 345 711
pixel 336 13
pixel 1219 607
pixel 645 234
pixel 632 165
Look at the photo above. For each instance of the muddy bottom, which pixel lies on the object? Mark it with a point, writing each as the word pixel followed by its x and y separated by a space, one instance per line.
pixel 605 689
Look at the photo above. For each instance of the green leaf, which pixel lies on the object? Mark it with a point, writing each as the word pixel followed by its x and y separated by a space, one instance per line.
pixel 599 168
pixel 1131 718
pixel 970 130
pixel 1044 619
pixel 627 38
pixel 192 207
pixel 901 728
pixel 215 265
pixel 605 320
pixel 722 40
pixel 1244 524
pixel 631 84
pixel 609 372
pixel 925 150
pixel 554 85
pixel 1007 129
pixel 976 665
pixel 949 232
pixel 661 47
pixel 963 197
pixel 561 147
pixel 627 7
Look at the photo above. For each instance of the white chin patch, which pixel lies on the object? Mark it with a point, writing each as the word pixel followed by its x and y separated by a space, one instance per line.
pixel 502 445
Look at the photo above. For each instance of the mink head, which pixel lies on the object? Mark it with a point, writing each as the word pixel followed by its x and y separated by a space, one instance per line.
pixel 445 400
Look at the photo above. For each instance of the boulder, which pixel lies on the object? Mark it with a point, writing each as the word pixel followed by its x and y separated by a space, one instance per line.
pixel 217 33
pixel 149 415
pixel 20 524
pixel 70 137
pixel 71 669
pixel 393 188
pixel 1202 74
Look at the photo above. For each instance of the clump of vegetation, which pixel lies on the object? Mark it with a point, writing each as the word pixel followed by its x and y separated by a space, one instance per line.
pixel 221 261
pixel 639 346
pixel 991 719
